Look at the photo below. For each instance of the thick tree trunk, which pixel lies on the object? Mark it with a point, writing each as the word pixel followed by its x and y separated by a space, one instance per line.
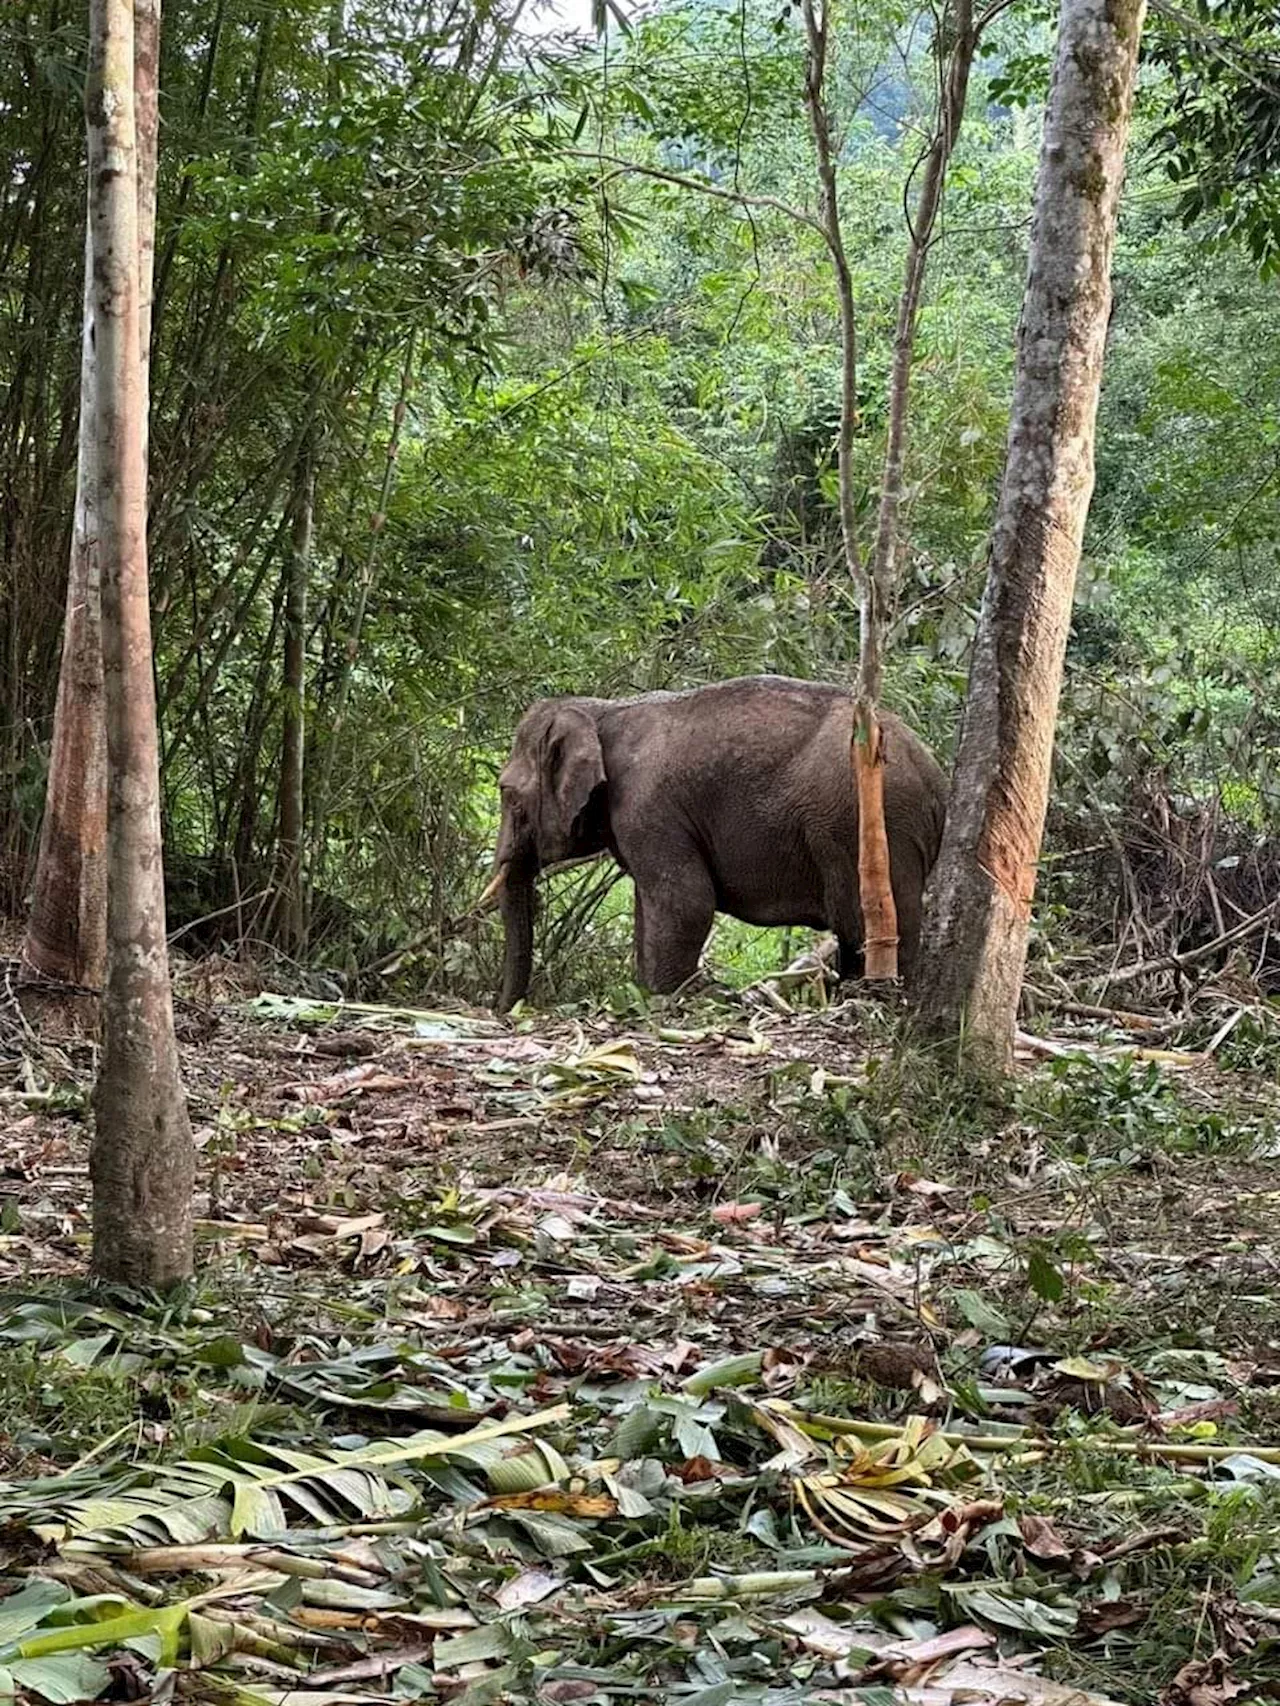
pixel 979 901
pixel 142 1160
pixel 64 955
pixel 289 920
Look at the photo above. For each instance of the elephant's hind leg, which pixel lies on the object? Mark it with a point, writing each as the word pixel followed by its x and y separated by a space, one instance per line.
pixel 674 915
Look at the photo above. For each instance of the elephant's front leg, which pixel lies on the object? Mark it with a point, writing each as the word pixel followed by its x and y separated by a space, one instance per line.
pixel 850 960
pixel 674 915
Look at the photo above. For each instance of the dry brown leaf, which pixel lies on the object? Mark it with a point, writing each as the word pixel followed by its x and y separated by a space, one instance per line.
pixel 331 1226
pixel 1042 1539
pixel 356 1080
pixel 684 1354
pixel 945 1538
pixel 920 1187
pixel 915 1661
pixel 1101 1616
pixel 1211 1410
pixel 697 1469
pixel 1206 1682
pixel 552 1499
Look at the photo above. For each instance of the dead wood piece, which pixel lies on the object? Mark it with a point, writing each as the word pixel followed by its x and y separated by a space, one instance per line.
pixel 1193 956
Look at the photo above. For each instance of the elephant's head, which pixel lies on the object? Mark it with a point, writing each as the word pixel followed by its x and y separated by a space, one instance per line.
pixel 547 786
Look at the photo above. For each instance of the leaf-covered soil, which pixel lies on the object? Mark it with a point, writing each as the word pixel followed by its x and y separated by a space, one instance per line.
pixel 712 1355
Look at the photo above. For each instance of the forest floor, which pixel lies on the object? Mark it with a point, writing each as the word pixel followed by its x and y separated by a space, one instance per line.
pixel 713 1356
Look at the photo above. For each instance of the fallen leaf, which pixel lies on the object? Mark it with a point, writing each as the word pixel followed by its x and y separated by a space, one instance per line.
pixel 1101 1616
pixel 695 1469
pixel 1042 1539
pixel 551 1499
pixel 528 1588
pixel 1205 1682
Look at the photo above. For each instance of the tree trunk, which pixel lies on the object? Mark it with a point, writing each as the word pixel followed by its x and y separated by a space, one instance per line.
pixel 879 914
pixel 957 41
pixel 64 954
pixel 364 587
pixel 979 902
pixel 64 951
pixel 142 1160
pixel 289 920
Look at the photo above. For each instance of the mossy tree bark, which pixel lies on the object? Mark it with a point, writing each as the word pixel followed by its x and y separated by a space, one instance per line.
pixel 142 1159
pixel 978 905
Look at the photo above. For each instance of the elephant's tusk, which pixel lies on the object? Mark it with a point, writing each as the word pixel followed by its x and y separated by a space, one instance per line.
pixel 494 889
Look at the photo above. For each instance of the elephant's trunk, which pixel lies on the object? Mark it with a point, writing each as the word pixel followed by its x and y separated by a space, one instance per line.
pixel 517 922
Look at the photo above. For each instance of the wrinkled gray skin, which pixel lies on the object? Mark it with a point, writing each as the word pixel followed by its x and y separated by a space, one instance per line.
pixel 736 798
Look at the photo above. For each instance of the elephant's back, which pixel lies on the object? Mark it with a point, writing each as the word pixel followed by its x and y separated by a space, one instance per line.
pixel 732 745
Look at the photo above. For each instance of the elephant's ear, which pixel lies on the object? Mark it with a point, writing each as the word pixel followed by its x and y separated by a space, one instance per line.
pixel 574 762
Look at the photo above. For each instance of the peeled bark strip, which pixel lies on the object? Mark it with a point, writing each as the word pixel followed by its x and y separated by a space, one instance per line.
pixel 142 1160
pixel 64 955
pixel 64 951
pixel 879 913
pixel 979 901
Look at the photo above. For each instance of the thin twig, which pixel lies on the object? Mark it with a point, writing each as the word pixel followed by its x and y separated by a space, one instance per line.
pixel 1180 962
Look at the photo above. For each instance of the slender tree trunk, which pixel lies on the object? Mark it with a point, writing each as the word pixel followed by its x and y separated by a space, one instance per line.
pixel 142 1160
pixel 289 909
pixel 289 920
pixel 979 903
pixel 956 44
pixel 364 587
pixel 64 954
pixel 879 914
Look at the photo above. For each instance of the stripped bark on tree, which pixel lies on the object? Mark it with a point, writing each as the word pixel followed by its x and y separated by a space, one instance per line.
pixel 64 953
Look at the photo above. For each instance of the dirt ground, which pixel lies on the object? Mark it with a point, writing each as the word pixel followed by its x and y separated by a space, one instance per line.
pixel 504 1214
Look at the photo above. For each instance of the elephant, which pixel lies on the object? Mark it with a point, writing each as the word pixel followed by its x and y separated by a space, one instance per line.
pixel 738 797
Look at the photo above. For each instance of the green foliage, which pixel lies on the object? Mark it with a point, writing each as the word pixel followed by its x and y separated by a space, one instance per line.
pixel 1221 140
pixel 614 468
